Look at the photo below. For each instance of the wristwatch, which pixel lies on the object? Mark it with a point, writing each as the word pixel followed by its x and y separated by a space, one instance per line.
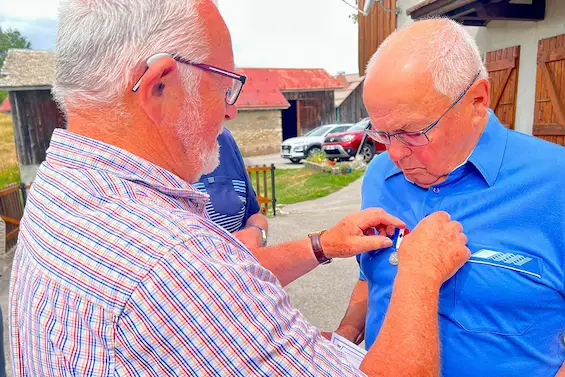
pixel 317 247
pixel 263 234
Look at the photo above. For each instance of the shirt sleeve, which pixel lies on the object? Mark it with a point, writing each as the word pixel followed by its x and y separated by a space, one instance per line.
pixel 252 203
pixel 207 308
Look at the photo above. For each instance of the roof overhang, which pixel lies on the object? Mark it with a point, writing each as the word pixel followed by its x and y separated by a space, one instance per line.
pixel 480 12
pixel 24 88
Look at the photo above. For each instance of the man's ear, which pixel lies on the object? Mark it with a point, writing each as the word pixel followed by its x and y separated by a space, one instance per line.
pixel 480 93
pixel 157 82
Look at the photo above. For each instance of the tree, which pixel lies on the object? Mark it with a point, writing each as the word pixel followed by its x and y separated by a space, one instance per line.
pixel 10 38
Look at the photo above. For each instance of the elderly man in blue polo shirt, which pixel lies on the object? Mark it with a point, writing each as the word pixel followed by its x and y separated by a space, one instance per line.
pixel 503 313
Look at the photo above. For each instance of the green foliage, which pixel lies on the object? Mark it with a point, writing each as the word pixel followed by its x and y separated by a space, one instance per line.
pixel 3 96
pixel 317 158
pixel 9 175
pixel 298 185
pixel 10 38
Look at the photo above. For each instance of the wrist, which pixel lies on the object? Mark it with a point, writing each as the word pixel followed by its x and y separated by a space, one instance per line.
pixel 349 332
pixel 318 248
pixel 262 234
pixel 420 277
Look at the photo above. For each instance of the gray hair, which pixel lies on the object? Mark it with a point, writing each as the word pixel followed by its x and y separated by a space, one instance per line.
pixel 452 54
pixel 102 43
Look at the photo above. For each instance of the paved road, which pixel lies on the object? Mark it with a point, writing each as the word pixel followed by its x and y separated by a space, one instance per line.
pixel 280 163
pixel 322 295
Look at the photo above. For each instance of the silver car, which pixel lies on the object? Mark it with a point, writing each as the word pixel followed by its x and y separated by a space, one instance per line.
pixel 298 148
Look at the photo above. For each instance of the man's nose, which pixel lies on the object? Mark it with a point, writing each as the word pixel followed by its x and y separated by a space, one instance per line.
pixel 231 112
pixel 397 150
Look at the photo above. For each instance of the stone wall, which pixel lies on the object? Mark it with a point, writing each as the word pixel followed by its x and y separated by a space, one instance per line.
pixel 257 132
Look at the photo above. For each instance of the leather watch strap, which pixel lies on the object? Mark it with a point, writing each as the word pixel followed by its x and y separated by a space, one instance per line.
pixel 317 248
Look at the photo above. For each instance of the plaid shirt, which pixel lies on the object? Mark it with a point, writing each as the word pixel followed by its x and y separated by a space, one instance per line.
pixel 119 273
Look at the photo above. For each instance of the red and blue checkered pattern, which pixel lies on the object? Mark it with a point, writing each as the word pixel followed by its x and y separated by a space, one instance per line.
pixel 118 272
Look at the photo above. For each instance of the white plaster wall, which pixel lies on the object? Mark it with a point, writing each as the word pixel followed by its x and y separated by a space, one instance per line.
pixel 501 34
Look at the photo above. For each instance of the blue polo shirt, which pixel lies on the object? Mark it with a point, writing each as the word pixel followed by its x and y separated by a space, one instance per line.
pixel 503 313
pixel 232 198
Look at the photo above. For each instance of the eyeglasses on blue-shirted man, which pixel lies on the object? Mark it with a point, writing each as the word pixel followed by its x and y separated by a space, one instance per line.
pixel 416 138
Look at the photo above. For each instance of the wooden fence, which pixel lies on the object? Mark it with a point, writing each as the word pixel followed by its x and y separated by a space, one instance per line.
pixel 11 211
pixel 265 192
pixel 13 198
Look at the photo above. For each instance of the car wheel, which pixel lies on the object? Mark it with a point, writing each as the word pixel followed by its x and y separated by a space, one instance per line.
pixel 313 151
pixel 367 153
pixel 295 160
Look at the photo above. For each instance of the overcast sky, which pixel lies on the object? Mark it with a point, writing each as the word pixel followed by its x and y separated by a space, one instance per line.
pixel 265 33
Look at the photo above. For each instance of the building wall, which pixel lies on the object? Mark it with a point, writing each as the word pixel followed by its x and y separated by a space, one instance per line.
pixel 316 108
pixel 500 34
pixel 353 109
pixel 35 115
pixel 257 132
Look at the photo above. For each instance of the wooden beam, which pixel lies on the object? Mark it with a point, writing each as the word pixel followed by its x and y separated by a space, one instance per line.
pixel 498 95
pixel 551 55
pixel 436 7
pixel 9 220
pixel 552 91
pixel 501 65
pixel 461 10
pixel 506 11
pixel 549 130
pixel 298 118
pixel 12 234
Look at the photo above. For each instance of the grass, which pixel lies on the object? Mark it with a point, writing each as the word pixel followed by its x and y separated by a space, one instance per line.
pixel 9 169
pixel 298 185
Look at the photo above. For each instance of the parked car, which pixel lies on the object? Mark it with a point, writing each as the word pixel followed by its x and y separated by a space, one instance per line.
pixel 344 145
pixel 298 148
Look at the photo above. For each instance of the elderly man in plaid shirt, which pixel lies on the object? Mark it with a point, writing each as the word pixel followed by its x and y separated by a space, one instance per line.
pixel 119 272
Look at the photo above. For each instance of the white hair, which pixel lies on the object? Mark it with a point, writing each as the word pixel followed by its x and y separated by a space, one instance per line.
pixel 101 44
pixel 452 54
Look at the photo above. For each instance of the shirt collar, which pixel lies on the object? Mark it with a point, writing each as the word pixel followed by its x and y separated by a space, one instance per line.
pixel 76 151
pixel 487 155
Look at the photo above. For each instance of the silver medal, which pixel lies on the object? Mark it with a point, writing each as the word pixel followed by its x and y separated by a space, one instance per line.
pixel 393 259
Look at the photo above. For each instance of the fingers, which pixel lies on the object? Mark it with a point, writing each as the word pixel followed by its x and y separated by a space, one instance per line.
pixel 439 216
pixel 364 244
pixel 373 217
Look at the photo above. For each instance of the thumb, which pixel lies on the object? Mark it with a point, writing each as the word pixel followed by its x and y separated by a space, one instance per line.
pixel 368 243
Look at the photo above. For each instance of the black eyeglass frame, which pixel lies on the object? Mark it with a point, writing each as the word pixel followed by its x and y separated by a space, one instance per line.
pixel 231 95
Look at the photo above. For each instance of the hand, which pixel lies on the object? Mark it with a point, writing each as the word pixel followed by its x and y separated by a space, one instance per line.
pixel 351 235
pixel 250 237
pixel 435 249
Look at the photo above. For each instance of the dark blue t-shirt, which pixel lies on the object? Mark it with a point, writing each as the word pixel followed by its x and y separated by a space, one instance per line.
pixel 232 198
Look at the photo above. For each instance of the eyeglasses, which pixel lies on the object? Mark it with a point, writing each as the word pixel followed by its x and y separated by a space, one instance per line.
pixel 232 93
pixel 416 138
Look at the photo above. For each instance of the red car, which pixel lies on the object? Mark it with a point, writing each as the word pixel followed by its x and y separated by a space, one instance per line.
pixel 344 145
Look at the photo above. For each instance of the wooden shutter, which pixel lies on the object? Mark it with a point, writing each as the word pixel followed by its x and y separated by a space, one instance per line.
pixel 502 66
pixel 549 121
pixel 374 28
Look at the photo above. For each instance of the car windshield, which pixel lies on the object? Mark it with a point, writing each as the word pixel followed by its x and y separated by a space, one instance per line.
pixel 341 128
pixel 360 126
pixel 320 131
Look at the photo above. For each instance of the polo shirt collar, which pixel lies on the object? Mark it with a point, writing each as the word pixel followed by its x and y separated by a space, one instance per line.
pixel 488 153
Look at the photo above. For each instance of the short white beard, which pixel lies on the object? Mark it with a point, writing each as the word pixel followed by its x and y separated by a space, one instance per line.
pixel 210 160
